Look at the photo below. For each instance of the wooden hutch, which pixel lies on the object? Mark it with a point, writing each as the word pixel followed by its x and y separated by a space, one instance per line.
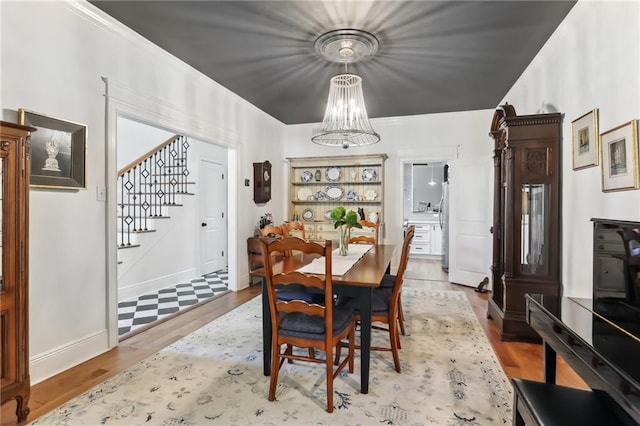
pixel 526 216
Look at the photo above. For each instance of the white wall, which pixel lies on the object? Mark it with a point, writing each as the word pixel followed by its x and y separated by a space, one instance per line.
pixel 433 137
pixel 53 56
pixel 136 139
pixel 591 61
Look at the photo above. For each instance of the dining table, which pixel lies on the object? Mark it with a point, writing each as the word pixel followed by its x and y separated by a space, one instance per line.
pixel 359 282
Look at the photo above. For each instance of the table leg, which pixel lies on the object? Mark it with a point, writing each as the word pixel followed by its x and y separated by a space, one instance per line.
pixel 549 363
pixel 266 329
pixel 365 338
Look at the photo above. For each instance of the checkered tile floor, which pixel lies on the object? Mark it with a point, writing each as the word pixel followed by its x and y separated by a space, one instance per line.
pixel 136 313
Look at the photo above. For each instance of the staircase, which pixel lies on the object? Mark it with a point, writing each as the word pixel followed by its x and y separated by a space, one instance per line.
pixel 149 186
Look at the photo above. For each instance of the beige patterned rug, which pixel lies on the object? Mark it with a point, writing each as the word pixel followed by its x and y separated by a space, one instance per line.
pixel 450 376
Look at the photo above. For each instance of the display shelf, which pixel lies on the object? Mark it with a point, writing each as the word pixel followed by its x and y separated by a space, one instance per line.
pixel 353 176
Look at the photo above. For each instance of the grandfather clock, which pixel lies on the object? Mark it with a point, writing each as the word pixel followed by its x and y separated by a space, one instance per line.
pixel 261 182
pixel 526 216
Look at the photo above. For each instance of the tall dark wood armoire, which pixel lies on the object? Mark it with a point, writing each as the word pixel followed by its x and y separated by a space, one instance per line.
pixel 526 216
pixel 14 282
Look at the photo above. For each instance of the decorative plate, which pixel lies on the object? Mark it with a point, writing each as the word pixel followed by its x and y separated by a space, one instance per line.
pixel 306 176
pixel 369 175
pixel 334 193
pixel 307 215
pixel 321 195
pixel 370 195
pixel 304 194
pixel 352 196
pixel 327 215
pixel 333 174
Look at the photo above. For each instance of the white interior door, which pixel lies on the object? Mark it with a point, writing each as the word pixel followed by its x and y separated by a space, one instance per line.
pixel 213 207
pixel 470 217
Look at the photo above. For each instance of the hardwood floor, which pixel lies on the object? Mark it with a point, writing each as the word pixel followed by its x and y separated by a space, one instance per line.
pixel 518 359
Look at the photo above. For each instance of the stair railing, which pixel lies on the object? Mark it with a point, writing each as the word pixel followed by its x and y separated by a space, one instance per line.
pixel 149 184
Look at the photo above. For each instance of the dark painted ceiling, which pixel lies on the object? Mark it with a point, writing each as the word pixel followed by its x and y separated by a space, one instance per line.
pixel 435 56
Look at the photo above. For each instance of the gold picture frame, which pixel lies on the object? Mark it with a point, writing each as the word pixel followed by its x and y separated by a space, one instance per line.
pixel 586 148
pixel 619 148
pixel 58 151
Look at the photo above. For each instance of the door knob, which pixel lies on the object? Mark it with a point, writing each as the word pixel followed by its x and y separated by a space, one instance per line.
pixel 203 224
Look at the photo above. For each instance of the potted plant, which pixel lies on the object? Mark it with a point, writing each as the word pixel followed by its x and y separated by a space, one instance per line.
pixel 343 220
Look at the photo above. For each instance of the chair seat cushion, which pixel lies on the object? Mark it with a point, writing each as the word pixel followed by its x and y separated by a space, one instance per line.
pixel 380 301
pixel 297 324
pixel 388 281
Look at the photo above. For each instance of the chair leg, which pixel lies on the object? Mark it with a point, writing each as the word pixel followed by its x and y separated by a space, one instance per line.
pixel 352 348
pixel 275 369
pixel 336 359
pixel 394 340
pixel 401 316
pixel 329 366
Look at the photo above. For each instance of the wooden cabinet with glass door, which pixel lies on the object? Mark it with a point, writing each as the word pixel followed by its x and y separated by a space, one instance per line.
pixel 14 306
pixel 527 216
pixel 319 184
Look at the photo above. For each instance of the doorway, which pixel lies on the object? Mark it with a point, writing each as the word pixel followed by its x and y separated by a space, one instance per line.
pixel 424 206
pixel 175 264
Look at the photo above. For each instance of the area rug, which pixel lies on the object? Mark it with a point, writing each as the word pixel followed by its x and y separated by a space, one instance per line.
pixel 450 376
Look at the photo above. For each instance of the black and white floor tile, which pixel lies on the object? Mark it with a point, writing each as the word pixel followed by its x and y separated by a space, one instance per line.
pixel 139 312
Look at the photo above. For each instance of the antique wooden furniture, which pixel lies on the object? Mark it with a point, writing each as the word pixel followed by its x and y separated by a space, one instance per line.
pixel 302 324
pixel 526 216
pixel 359 282
pixel 318 184
pixel 14 280
pixel 600 341
pixel 261 182
pixel 386 305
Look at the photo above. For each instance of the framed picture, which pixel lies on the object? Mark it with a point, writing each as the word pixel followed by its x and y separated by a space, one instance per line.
pixel 620 157
pixel 58 151
pixel 585 140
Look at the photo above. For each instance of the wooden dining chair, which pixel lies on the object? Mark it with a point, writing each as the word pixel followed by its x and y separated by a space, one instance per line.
pixel 272 231
pixel 389 282
pixel 294 229
pixel 385 306
pixel 366 239
pixel 302 324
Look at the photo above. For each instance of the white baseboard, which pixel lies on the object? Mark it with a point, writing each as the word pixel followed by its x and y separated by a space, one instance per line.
pixel 50 363
pixel 151 286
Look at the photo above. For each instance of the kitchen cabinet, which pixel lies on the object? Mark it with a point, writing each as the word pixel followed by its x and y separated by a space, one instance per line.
pixel 319 184
pixel 427 239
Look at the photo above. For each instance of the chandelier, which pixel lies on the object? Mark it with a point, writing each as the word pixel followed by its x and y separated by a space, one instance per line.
pixel 345 120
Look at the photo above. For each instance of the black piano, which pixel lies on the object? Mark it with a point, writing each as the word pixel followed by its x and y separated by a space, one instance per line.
pixel 598 337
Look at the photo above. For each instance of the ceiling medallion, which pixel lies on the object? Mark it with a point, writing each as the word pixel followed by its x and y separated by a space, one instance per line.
pixel 345 120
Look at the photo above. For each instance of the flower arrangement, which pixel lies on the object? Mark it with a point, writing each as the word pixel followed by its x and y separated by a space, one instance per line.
pixel 343 219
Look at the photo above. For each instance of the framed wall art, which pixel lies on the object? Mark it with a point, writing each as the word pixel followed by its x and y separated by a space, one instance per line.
pixel 58 151
pixel 620 157
pixel 585 140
